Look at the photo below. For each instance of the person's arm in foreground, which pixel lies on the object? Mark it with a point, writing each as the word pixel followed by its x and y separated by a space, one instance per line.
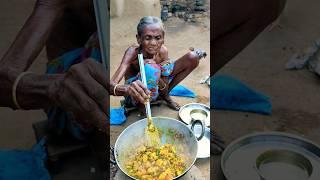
pixel 23 51
pixel 83 90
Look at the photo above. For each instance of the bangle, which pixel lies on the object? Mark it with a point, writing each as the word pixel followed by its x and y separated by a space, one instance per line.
pixel 14 89
pixel 165 85
pixel 114 89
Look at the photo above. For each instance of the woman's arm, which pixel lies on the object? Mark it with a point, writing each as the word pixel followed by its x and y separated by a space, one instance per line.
pixel 164 55
pixel 136 89
pixel 124 66
pixel 23 51
pixel 83 90
pixel 33 35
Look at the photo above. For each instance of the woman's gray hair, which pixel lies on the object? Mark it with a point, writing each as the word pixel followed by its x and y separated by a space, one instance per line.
pixel 147 20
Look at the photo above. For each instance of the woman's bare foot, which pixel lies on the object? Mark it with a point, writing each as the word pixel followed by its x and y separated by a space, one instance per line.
pixel 171 104
pixel 164 94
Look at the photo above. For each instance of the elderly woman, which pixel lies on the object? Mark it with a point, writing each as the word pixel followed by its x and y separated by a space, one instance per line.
pixel 75 90
pixel 162 74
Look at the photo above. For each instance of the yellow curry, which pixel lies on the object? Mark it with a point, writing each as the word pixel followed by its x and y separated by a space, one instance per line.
pixel 152 134
pixel 149 163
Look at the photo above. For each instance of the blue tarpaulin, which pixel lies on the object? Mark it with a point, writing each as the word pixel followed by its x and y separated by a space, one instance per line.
pixel 229 93
pixel 24 164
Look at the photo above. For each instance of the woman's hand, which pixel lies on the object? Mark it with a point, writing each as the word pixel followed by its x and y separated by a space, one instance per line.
pixel 84 91
pixel 138 91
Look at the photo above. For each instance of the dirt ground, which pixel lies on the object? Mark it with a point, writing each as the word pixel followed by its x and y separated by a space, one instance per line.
pixel 294 94
pixel 15 129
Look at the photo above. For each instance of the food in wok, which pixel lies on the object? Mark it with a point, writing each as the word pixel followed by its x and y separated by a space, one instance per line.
pixel 177 142
pixel 152 134
pixel 161 163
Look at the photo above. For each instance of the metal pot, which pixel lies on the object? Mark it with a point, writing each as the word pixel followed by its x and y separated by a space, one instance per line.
pixel 173 132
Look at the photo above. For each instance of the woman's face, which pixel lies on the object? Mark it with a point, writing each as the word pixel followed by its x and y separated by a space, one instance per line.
pixel 151 39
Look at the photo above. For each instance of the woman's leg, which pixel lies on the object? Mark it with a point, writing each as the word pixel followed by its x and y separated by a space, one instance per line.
pixel 182 68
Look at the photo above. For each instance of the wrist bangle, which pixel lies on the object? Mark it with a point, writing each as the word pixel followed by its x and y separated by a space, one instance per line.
pixel 165 85
pixel 14 89
pixel 114 89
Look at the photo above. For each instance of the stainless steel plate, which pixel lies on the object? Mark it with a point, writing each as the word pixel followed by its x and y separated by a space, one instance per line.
pixel 197 110
pixel 239 159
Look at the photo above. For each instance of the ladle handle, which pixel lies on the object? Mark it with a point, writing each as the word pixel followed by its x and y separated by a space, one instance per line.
pixel 201 122
pixel 144 81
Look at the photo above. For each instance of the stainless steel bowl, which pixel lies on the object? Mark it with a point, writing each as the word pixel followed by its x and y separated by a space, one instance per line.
pixel 195 111
pixel 283 164
pixel 198 114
